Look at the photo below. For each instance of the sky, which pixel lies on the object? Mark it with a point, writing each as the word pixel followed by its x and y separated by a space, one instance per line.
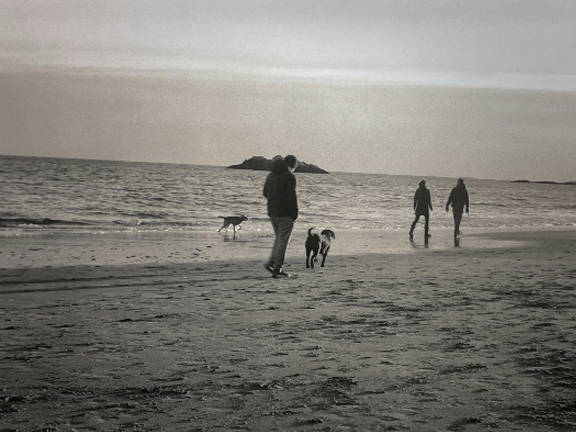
pixel 450 88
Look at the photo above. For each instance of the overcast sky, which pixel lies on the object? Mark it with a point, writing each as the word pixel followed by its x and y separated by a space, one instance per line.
pixel 483 88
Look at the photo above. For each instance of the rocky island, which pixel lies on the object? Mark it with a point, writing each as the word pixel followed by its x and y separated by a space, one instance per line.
pixel 260 163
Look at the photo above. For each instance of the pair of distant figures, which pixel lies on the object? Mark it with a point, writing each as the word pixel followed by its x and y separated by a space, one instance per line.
pixel 458 199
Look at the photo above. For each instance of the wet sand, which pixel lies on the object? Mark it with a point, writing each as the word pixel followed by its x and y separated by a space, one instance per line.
pixel 189 333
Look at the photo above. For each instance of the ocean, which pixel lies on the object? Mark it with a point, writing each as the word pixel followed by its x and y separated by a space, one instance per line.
pixel 52 195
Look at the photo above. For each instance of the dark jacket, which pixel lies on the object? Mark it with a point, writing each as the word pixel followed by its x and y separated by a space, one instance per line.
pixel 280 190
pixel 422 200
pixel 459 198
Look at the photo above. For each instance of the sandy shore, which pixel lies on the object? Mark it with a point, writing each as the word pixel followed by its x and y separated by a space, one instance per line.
pixel 189 333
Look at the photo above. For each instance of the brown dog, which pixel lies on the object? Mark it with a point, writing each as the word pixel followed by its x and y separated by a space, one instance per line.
pixel 235 221
pixel 318 244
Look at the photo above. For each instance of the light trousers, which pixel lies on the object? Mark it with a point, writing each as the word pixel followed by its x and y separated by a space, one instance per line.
pixel 282 227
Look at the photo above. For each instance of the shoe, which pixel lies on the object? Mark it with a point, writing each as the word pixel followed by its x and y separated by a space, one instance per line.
pixel 279 274
pixel 269 267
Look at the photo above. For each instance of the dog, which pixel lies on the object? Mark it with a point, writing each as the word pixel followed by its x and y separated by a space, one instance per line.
pixel 318 244
pixel 235 221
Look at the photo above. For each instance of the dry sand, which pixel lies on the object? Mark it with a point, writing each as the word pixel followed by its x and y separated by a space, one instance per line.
pixel 177 333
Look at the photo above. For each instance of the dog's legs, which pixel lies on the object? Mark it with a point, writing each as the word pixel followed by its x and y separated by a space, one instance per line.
pixel 324 255
pixel 223 226
pixel 311 255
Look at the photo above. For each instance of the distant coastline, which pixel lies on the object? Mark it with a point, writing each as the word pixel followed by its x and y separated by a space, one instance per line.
pixel 572 183
pixel 260 163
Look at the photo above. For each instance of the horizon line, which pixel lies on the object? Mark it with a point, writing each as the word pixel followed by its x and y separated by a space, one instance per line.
pixel 568 182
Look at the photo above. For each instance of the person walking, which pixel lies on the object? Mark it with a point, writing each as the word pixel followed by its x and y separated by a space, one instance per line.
pixel 422 207
pixel 282 206
pixel 459 200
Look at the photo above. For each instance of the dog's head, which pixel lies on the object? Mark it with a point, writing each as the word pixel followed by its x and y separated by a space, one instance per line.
pixel 244 218
pixel 328 233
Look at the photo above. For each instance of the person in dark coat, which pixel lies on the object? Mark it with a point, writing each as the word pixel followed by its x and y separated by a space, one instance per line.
pixel 280 191
pixel 459 200
pixel 422 207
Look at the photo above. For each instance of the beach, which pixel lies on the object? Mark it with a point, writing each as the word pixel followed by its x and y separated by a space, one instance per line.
pixel 188 332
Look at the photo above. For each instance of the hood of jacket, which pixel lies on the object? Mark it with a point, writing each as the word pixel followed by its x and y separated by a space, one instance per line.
pixel 279 166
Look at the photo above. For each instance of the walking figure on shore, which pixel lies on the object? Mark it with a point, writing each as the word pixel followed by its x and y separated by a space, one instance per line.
pixel 422 207
pixel 459 200
pixel 280 190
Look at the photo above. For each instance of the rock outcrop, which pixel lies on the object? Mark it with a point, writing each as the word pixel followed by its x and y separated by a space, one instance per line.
pixel 260 163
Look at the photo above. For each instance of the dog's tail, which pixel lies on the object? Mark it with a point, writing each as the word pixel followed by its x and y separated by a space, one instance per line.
pixel 310 232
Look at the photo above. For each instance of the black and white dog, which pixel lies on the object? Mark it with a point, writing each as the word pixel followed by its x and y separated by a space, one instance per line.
pixel 318 244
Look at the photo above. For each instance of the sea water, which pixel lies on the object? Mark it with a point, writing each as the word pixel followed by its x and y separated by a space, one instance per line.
pixel 48 195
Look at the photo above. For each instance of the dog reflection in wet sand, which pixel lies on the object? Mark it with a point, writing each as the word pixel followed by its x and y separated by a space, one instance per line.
pixel 318 243
pixel 235 221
